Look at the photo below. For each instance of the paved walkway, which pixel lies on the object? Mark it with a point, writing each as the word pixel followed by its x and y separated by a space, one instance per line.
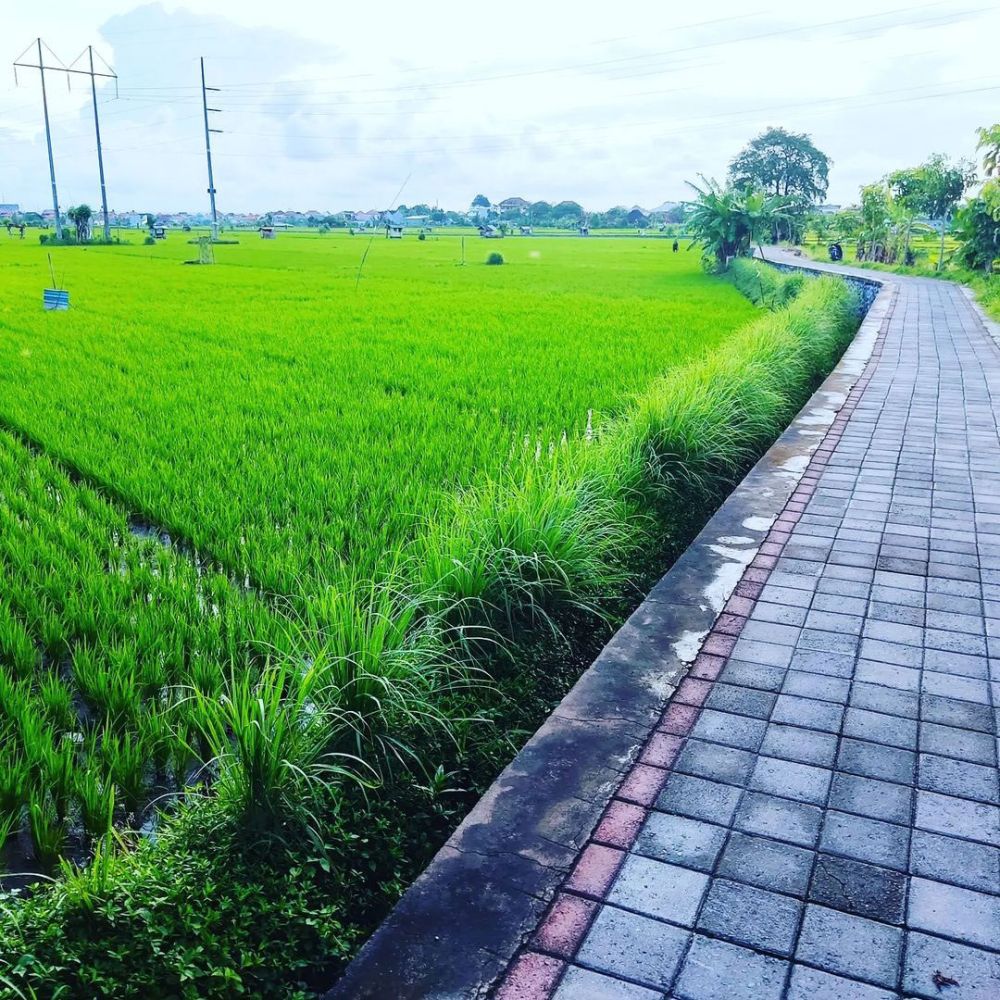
pixel 817 814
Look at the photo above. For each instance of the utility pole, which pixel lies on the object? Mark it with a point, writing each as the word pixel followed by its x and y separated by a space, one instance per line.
pixel 208 147
pixel 93 74
pixel 40 66
pixel 97 132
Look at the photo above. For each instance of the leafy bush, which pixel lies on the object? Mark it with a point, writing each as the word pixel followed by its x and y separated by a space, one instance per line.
pixel 495 258
pixel 149 241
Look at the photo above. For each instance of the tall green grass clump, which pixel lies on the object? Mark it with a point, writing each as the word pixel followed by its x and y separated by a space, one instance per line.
pixel 764 285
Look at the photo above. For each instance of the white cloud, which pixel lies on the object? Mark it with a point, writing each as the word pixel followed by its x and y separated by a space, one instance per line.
pixel 327 107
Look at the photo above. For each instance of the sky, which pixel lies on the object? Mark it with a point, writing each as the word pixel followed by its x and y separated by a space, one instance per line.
pixel 328 106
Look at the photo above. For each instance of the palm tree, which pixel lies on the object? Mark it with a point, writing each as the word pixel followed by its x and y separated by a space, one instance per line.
pixel 989 143
pixel 80 217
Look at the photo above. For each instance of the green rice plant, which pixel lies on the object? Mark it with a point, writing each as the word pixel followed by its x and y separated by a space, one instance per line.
pixel 58 774
pixel 86 886
pixel 15 783
pixel 272 737
pixel 96 798
pixel 126 757
pixel 112 691
pixel 57 702
pixel 48 830
pixel 10 822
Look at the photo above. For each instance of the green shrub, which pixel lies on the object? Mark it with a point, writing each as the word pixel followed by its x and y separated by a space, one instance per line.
pixel 149 241
pixel 495 258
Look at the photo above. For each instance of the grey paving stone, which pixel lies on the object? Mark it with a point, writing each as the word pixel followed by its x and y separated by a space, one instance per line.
pixel 888 675
pixel 858 887
pixel 951 911
pixel 718 970
pixel 887 701
pixel 812 984
pixel 657 889
pixel 850 945
pixel 809 685
pixel 885 594
pixel 771 654
pixel 711 760
pixel 932 962
pixel 964 744
pixel 869 797
pixel 767 864
pixel 905 614
pixel 951 712
pixel 874 727
pixel 740 700
pixel 945 859
pixel 699 799
pixel 751 916
pixel 897 632
pixel 807 746
pixel 969 661
pixel 959 778
pixel 866 839
pixel 790 779
pixel 774 632
pixel 681 840
pixel 892 652
pixel 819 661
pixel 963 688
pixel 754 675
pixel 808 712
pixel 738 731
pixel 773 593
pixel 834 621
pixel 636 947
pixel 782 614
pixel 958 817
pixel 778 818
pixel 585 984
pixel 839 604
pixel 827 642
pixel 873 760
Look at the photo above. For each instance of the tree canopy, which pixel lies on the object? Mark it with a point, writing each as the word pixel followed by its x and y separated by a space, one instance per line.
pixel 480 201
pixel 782 163
pixel 989 145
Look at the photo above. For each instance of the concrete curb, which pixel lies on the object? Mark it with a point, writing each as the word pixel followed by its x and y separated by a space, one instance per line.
pixel 458 927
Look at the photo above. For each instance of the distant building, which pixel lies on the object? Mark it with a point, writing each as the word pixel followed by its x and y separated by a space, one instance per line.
pixel 828 209
pixel 637 217
pixel 514 205
pixel 9 210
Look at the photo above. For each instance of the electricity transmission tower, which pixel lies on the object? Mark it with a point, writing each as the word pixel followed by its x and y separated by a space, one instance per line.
pixel 93 74
pixel 208 147
pixel 40 66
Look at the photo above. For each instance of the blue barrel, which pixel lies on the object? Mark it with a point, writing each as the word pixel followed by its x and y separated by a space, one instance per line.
pixel 55 299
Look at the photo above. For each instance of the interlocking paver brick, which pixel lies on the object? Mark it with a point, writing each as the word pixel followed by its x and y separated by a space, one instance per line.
pixel 767 864
pixel 681 840
pixel 936 968
pixel 945 859
pixel 718 970
pixel 813 984
pixel 892 730
pixel 807 746
pixel 751 916
pixel 858 887
pixel 712 760
pixel 886 701
pixel 790 779
pixel 849 945
pixel 698 798
pixel 741 700
pixel 754 675
pixel 585 984
pixel 778 818
pixel 658 889
pixel 635 947
pixel 820 686
pixel 871 797
pixel 958 817
pixel 952 911
pixel 950 712
pixel 874 760
pixel 866 839
pixel 959 778
pixel 738 731
pixel 963 744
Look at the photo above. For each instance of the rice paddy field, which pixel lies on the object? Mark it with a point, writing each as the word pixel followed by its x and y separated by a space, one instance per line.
pixel 264 526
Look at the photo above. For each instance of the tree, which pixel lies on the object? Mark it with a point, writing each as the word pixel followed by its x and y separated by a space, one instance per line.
pixel 978 229
pixel 480 201
pixel 989 143
pixel 933 189
pixel 876 223
pixel 782 163
pixel 80 216
pixel 727 222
